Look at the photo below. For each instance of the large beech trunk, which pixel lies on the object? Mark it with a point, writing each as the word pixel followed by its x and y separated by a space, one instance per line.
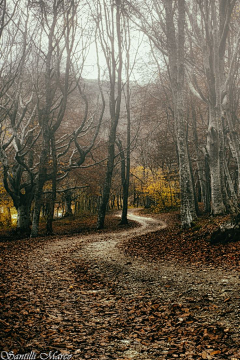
pixel 177 79
pixel 68 203
pixel 188 206
pixel 233 140
pixel 42 177
pixel 23 217
pixel 202 166
pixel 222 200
pixel 108 181
pixel 215 172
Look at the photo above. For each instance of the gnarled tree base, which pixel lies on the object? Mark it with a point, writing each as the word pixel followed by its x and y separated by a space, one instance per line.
pixel 227 233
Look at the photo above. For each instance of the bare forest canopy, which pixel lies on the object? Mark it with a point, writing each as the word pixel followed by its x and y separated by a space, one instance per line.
pixel 157 127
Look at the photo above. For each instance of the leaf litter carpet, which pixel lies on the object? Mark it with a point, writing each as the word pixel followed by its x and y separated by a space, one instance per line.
pixel 119 295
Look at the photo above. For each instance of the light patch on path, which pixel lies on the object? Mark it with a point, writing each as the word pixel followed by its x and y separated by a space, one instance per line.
pixel 105 245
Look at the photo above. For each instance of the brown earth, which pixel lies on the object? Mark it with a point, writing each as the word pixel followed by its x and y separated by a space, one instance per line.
pixel 148 292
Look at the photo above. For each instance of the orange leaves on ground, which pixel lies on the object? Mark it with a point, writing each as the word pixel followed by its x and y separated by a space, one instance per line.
pixel 186 246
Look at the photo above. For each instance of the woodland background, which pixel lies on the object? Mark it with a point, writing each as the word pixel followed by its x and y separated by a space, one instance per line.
pixel 107 104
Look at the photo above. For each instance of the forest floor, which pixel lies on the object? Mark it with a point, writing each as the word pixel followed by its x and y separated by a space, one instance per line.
pixel 147 291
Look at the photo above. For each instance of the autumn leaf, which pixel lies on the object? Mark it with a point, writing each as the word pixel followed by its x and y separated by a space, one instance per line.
pixel 215 352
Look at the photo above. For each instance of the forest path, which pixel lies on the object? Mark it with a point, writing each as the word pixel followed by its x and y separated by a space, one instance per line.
pixel 81 295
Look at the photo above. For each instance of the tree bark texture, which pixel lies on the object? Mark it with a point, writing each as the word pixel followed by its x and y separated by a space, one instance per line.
pixel 23 216
pixel 175 44
pixel 216 27
pixel 40 181
pixel 115 70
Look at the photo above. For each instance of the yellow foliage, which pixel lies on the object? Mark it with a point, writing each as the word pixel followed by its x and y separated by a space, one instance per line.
pixel 6 205
pixel 161 189
pixel 5 218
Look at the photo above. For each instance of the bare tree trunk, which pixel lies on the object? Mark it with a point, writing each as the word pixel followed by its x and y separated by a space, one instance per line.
pixel 21 201
pixel 234 141
pixel 108 180
pixel 50 214
pixel 40 181
pixel 68 203
pixel 214 140
pixel 126 163
pixel 216 17
pixel 201 166
pixel 114 62
pixel 124 219
pixel 125 171
pixel 23 217
pixel 175 45
pixel 215 173
pixel 50 115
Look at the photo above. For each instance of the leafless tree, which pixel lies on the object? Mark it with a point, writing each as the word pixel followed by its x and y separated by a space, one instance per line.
pixel 62 77
pixel 42 80
pixel 210 29
pixel 7 12
pixel 17 114
pixel 108 18
pixel 164 24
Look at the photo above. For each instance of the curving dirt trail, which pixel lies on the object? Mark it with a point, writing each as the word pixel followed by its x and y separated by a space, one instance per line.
pixel 105 247
pixel 74 293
